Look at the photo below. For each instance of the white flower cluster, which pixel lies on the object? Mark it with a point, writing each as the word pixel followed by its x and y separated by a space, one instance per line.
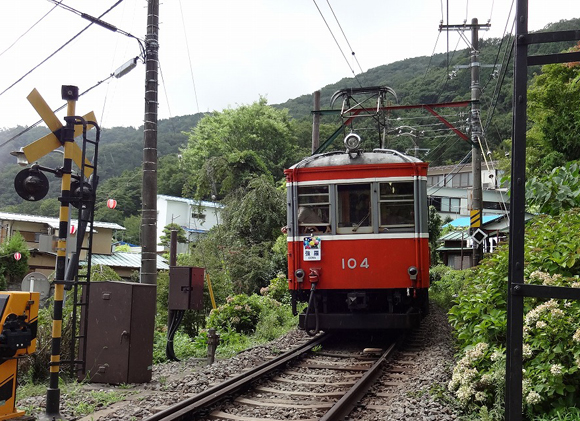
pixel 533 398
pixel 464 381
pixel 526 351
pixel 556 369
pixel 534 315
pixel 545 278
pixel 576 336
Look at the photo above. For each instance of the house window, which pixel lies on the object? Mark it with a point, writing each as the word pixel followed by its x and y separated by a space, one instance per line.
pixel 196 215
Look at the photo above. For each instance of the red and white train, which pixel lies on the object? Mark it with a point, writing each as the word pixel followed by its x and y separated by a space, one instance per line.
pixel 358 242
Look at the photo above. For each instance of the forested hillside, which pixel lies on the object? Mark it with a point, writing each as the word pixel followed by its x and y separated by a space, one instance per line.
pixel 415 80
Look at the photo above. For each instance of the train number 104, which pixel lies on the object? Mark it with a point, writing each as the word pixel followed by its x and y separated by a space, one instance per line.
pixel 353 264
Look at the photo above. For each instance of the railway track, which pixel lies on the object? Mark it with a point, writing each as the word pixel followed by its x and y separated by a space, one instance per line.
pixel 316 381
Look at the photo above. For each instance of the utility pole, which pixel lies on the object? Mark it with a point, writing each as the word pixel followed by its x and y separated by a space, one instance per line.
pixel 149 188
pixel 316 122
pixel 476 133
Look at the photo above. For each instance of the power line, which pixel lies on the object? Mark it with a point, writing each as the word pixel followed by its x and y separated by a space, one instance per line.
pixel 29 29
pixel 189 57
pixel 59 49
pixel 346 39
pixel 54 111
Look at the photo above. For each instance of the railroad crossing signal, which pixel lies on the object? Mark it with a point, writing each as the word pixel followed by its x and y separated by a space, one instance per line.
pixel 475 219
pixel 51 141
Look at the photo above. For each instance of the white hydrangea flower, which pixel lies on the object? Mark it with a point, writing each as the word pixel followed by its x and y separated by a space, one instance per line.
pixel 497 355
pixel 556 370
pixel 480 396
pixel 576 336
pixel 526 351
pixel 540 324
pixel 533 398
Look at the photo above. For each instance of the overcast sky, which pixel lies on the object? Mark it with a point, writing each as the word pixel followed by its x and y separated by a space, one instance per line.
pixel 232 51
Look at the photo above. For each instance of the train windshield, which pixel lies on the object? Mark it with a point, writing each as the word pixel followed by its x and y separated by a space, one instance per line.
pixel 354 209
pixel 396 207
pixel 313 210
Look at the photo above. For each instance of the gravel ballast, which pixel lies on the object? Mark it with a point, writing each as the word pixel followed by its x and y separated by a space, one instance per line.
pixel 418 398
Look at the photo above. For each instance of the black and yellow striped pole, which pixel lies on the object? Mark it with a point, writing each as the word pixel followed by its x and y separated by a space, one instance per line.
pixel 70 94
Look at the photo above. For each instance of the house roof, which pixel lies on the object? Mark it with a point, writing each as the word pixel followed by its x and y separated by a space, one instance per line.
pixel 191 202
pixel 52 222
pixel 126 260
pixel 466 220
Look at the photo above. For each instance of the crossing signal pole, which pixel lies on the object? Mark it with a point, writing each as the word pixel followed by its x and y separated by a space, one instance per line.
pixel 475 129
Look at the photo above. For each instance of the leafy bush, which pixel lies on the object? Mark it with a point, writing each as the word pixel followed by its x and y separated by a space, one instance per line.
pixel 446 284
pixel 278 289
pixel 240 313
pixel 552 328
pixel 12 270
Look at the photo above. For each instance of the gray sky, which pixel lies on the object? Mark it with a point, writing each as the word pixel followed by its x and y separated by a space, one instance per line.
pixel 233 50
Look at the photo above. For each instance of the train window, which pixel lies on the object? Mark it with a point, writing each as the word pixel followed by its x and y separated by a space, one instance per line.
pixel 397 213
pixel 354 209
pixel 313 209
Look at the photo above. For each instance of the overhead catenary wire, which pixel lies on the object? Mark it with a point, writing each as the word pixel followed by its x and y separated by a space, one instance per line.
pixel 57 50
pixel 344 35
pixel 337 43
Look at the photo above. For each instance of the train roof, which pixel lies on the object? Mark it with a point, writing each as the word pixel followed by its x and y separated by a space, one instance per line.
pixel 377 156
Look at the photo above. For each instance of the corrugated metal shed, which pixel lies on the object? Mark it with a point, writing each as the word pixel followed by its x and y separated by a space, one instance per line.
pixel 126 260
pixel 52 222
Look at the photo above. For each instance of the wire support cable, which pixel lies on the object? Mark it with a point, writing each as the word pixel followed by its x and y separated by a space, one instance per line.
pixel 29 29
pixel 57 50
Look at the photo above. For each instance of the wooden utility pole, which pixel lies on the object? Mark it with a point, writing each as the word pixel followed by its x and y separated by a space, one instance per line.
pixel 316 122
pixel 476 133
pixel 149 188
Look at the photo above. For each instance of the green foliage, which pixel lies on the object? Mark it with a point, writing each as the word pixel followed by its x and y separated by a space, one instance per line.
pixel 100 273
pixel 227 147
pixel 278 289
pixel 240 313
pixel 552 329
pixel 556 192
pixel 166 237
pixel 446 284
pixel 12 270
pixel 435 224
pixel 554 107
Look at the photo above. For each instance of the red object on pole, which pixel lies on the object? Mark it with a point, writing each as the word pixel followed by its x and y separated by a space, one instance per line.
pixel 111 203
pixel 17 256
pixel 73 229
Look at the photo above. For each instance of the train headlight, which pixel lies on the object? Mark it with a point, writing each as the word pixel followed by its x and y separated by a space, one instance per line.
pixel 352 142
pixel 299 275
pixel 412 272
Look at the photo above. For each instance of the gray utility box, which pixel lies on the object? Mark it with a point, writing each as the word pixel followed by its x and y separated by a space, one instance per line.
pixel 186 288
pixel 119 343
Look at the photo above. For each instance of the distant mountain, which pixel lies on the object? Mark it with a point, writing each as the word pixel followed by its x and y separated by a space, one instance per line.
pixel 419 80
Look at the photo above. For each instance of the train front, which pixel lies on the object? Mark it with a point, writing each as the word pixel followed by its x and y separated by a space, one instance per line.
pixel 358 251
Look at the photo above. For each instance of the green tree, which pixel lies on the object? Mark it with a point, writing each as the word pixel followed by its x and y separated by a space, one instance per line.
pixel 554 108
pixel 256 136
pixel 12 270
pixel 166 237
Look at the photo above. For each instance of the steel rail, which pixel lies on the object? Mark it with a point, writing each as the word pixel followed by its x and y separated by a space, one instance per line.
pixel 348 402
pixel 184 410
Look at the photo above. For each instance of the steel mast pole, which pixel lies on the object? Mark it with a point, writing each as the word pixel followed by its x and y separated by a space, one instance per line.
pixel 149 188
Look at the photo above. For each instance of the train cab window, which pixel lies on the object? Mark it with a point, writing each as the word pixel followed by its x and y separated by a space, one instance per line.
pixel 354 209
pixel 313 210
pixel 397 207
